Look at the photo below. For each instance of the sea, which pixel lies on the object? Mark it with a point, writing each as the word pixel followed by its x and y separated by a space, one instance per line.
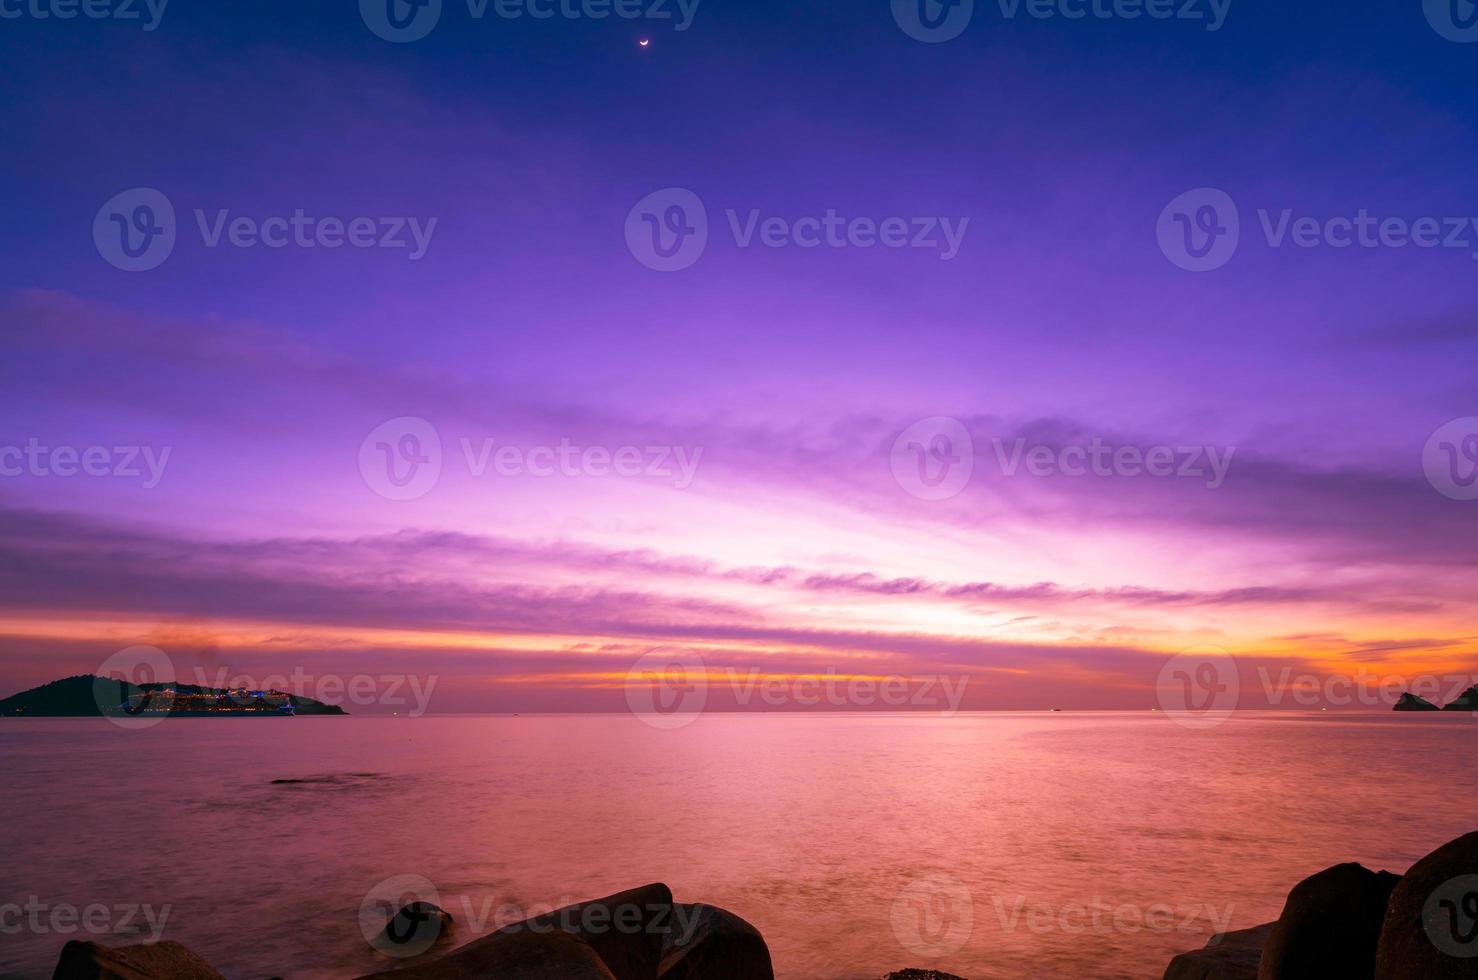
pixel 989 845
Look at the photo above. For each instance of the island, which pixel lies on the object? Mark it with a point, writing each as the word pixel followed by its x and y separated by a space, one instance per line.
pixel 86 695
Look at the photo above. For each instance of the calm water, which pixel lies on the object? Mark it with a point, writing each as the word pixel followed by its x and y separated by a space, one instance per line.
pixel 857 843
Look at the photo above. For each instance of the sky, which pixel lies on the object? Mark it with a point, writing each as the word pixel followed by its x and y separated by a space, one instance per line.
pixel 800 341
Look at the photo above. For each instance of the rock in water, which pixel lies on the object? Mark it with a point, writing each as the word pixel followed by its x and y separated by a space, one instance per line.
pixel 1431 926
pixel 146 961
pixel 711 944
pixel 620 937
pixel 1330 926
pixel 1466 701
pixel 1411 702
pixel 417 926
pixel 1226 956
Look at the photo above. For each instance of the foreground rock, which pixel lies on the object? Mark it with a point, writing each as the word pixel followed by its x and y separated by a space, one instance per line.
pixel 1431 924
pixel 641 934
pixel 419 924
pixel 714 945
pixel 921 975
pixel 1411 702
pixel 1226 956
pixel 514 956
pixel 147 961
pixel 1329 926
pixel 1466 701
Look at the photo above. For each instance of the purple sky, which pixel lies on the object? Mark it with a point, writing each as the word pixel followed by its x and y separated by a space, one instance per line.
pixel 783 376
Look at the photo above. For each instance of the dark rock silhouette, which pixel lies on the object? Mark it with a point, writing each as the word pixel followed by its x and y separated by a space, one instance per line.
pixel 146 961
pixel 1466 701
pixel 423 923
pixel 1329 926
pixel 640 934
pixel 514 956
pixel 1411 702
pixel 721 946
pixel 1431 924
pixel 1226 956
pixel 912 974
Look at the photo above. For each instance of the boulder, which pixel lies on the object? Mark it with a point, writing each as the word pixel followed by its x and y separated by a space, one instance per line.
pixel 1412 702
pixel 514 956
pixel 1466 701
pixel 913 974
pixel 625 934
pixel 1431 924
pixel 422 924
pixel 1329 926
pixel 1226 956
pixel 146 961
pixel 712 944
pixel 627 929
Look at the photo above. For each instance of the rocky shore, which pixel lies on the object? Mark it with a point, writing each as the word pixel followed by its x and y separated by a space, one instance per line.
pixel 1356 924
pixel 1344 922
